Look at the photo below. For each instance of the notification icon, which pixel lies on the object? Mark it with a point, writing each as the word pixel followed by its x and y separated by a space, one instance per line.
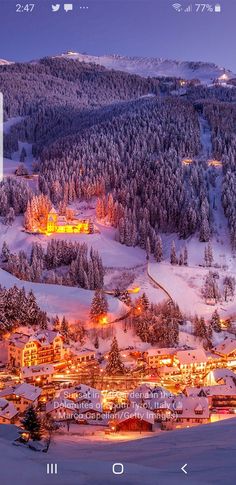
pixel 68 7
pixel 56 7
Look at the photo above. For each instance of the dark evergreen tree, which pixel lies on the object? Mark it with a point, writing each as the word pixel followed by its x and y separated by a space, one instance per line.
pixel 31 423
pixel 114 363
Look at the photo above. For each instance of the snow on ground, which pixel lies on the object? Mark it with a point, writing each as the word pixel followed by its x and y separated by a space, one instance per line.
pixel 10 122
pixel 208 450
pixel 184 285
pixel 9 167
pixel 74 303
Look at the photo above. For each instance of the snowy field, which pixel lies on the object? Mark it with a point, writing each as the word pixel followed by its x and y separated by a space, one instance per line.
pixel 74 303
pixel 209 452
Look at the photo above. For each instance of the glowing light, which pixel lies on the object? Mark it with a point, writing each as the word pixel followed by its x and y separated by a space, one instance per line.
pixel 187 161
pixel 214 163
pixel 135 290
pixel 103 320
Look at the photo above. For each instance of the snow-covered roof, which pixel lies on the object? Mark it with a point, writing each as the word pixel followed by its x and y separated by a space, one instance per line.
pixel 227 347
pixel 186 407
pixel 164 351
pixel 191 356
pixel 146 393
pixel 191 406
pixel 7 409
pixel 83 352
pixel 143 392
pixel 44 338
pixel 86 406
pixel 53 210
pixel 227 389
pixel 37 370
pixel 28 391
pixel 19 339
pixel 60 403
pixel 135 412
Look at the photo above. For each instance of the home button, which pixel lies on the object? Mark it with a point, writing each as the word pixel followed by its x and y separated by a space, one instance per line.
pixel 118 468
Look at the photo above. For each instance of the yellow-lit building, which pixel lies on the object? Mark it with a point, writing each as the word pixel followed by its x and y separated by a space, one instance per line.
pixel 41 348
pixel 61 224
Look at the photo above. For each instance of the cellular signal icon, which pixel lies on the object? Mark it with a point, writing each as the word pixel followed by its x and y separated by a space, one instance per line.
pixel 177 7
pixel 188 9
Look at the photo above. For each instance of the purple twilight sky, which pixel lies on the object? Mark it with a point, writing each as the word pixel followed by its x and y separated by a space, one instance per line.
pixel 127 27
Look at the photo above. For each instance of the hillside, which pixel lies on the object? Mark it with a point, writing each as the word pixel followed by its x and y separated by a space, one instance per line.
pixel 206 72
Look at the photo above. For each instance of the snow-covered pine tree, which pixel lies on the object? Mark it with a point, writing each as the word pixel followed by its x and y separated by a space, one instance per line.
pixel 173 256
pixel 64 330
pixel 185 255
pixel 5 252
pixel 31 423
pixel 99 306
pixel 200 329
pixel 215 322
pixel 114 363
pixel 158 251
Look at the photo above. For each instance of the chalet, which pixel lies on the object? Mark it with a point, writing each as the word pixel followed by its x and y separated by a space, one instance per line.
pixel 133 418
pixel 42 373
pixel 88 410
pixel 22 395
pixel 16 345
pixel 220 396
pixel 63 224
pixel 61 409
pixel 40 348
pixel 84 355
pixel 143 394
pixel 191 361
pixel 140 394
pixel 8 412
pixel 88 399
pixel 191 410
pixel 159 357
pixel 227 351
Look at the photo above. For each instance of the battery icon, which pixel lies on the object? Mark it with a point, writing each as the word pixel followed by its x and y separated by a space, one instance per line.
pixel 217 8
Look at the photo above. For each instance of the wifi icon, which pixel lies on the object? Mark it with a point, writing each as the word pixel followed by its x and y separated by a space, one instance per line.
pixel 177 7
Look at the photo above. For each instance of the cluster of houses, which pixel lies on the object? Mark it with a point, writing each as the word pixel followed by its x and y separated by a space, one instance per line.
pixel 39 356
pixel 184 362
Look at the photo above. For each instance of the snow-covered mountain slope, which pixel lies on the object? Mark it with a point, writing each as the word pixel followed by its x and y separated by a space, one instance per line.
pixel 204 71
pixel 4 62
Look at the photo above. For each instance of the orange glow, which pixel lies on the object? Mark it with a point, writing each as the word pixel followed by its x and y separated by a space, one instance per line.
pixel 187 161
pixel 214 163
pixel 135 290
pixel 103 320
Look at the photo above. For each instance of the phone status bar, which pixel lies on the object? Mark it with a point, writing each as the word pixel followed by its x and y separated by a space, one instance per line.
pixel 197 8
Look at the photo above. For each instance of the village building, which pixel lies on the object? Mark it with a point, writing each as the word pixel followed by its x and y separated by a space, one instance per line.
pixel 16 345
pixel 8 412
pixel 40 348
pixel 63 224
pixel 133 418
pixel 88 399
pixel 221 396
pixel 84 355
pixel 22 395
pixel 180 409
pixel 227 351
pixel 143 394
pixel 159 357
pixel 61 409
pixel 42 373
pixel 191 361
